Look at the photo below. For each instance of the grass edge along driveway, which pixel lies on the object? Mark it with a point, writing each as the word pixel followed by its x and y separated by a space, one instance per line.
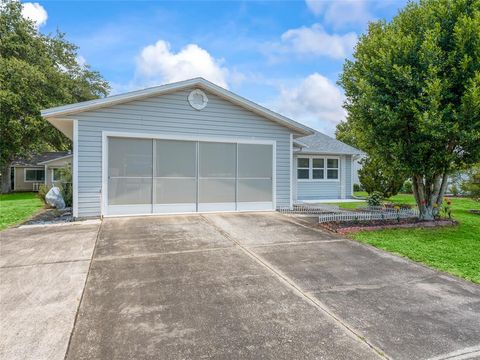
pixel 18 207
pixel 455 250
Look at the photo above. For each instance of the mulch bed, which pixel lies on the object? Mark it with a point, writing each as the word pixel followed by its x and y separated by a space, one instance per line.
pixel 51 216
pixel 345 227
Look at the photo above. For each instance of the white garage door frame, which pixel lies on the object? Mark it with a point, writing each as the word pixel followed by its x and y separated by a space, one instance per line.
pixel 235 140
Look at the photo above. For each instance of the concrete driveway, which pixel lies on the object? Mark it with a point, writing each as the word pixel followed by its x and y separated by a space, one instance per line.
pixel 244 286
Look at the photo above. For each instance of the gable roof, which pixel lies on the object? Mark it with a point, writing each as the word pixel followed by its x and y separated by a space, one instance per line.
pixel 58 112
pixel 319 143
pixel 41 159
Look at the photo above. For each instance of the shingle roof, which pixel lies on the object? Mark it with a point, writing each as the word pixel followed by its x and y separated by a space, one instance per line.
pixel 319 143
pixel 36 159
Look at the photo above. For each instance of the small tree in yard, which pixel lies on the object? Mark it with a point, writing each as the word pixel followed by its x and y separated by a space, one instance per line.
pixel 376 177
pixel 37 71
pixel 413 94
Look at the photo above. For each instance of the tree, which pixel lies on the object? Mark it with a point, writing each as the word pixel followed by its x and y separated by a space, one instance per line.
pixel 413 93
pixel 377 177
pixel 36 71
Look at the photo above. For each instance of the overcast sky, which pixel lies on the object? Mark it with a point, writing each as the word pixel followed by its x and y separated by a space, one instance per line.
pixel 284 55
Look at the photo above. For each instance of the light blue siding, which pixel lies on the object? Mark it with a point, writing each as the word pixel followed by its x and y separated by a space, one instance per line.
pixel 171 114
pixel 322 190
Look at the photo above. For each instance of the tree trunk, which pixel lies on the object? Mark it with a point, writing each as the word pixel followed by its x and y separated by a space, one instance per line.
pixel 5 172
pixel 429 194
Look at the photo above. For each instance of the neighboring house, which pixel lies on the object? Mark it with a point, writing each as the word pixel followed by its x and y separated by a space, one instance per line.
pixel 324 168
pixel 191 146
pixel 41 169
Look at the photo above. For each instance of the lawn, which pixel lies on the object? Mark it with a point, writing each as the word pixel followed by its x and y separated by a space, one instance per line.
pixel 455 250
pixel 17 207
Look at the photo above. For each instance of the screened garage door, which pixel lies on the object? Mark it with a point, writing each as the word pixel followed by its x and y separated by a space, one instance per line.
pixel 173 176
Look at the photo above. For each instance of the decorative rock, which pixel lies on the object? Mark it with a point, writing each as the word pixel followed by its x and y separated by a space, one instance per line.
pixel 54 198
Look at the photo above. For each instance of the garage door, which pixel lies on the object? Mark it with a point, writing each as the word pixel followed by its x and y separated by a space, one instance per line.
pixel 173 176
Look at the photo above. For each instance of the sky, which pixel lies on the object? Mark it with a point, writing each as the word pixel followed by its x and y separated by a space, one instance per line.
pixel 285 55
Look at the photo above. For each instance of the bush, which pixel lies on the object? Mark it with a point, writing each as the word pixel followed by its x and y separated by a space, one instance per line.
pixel 376 176
pixel 471 186
pixel 357 187
pixel 66 188
pixel 42 192
pixel 407 187
pixel 454 190
pixel 375 199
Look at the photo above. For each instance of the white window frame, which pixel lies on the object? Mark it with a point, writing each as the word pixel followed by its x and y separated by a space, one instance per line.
pixel 33 181
pixel 325 168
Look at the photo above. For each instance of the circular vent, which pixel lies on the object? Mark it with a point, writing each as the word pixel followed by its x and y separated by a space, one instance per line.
pixel 197 99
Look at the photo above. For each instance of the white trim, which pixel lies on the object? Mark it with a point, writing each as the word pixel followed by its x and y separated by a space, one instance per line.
pixel 343 177
pixel 52 113
pixel 201 207
pixel 325 168
pixel 75 168
pixel 255 206
pixel 14 177
pixel 33 168
pixel 291 172
pixel 186 213
pixel 59 158
pixel 174 208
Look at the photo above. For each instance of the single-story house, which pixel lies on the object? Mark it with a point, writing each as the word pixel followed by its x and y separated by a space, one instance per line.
pixel 27 174
pixel 193 146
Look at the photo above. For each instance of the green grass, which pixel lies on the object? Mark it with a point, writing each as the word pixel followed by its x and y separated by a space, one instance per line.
pixel 455 250
pixel 17 207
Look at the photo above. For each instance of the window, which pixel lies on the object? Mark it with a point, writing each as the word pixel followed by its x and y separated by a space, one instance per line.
pixel 303 168
pixel 317 168
pixel 318 171
pixel 32 175
pixel 332 169
pixel 56 174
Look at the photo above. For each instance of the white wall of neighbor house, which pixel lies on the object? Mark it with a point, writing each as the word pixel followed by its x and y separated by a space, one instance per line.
pixel 57 164
pixel 324 189
pixel 171 114
pixel 20 183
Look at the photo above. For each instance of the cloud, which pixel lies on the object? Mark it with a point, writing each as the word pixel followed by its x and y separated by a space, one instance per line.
pixel 35 12
pixel 157 63
pixel 342 13
pixel 315 101
pixel 314 40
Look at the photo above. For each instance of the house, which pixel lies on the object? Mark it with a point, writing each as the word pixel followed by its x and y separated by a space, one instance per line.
pixel 193 146
pixel 41 169
pixel 324 168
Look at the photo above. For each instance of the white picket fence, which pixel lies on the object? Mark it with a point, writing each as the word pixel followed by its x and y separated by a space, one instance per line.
pixel 389 214
pixel 310 209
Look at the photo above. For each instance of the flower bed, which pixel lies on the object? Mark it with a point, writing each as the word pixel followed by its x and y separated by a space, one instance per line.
pixel 345 227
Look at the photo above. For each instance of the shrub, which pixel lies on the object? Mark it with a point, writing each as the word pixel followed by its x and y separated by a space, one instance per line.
pixel 377 176
pixel 357 187
pixel 407 187
pixel 375 199
pixel 454 190
pixel 66 188
pixel 42 192
pixel 471 186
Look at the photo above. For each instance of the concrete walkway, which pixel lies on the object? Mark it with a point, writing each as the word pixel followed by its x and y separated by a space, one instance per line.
pixel 225 286
pixel 42 276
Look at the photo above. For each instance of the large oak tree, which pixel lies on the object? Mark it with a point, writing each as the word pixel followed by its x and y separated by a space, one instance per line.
pixel 37 71
pixel 413 93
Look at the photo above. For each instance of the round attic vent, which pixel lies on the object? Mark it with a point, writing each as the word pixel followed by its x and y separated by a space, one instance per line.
pixel 197 99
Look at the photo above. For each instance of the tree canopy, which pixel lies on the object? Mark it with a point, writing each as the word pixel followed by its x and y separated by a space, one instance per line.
pixel 413 93
pixel 37 71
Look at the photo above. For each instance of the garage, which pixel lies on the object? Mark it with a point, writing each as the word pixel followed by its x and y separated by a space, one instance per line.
pixel 174 175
